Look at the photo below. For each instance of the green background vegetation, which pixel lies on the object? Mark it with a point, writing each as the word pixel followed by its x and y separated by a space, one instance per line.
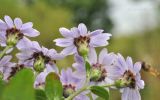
pixel 49 15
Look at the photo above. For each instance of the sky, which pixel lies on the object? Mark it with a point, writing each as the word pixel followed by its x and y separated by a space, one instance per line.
pixel 131 17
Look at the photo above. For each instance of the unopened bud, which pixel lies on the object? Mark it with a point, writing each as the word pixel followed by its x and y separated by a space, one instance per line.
pixel 12 40
pixel 39 65
pixel 95 75
pixel 83 49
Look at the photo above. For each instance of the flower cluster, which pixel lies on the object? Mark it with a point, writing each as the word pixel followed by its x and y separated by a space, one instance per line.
pixel 106 70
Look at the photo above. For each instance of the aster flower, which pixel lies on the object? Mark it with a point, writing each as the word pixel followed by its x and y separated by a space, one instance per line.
pixel 129 73
pixel 100 67
pixel 13 31
pixel 37 57
pixel 71 84
pixel 78 39
pixel 6 67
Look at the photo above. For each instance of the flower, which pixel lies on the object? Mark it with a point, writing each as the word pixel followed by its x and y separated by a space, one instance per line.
pixel 40 59
pixel 129 74
pixel 78 39
pixel 71 84
pixel 6 67
pixel 13 32
pixel 100 67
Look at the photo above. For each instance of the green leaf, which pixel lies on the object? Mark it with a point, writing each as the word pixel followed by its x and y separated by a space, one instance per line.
pixel 53 87
pixel 40 95
pixel 2 86
pixel 20 87
pixel 100 91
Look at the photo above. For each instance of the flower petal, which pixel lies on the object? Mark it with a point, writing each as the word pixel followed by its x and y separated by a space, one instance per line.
pixel 96 32
pixel 18 23
pixel 102 55
pixel 99 40
pixel 2 39
pixel 5 60
pixel 24 43
pixel 82 29
pixel 27 25
pixel 69 50
pixel 9 21
pixel 30 32
pixel 3 25
pixel 92 56
pixel 75 32
pixel 130 63
pixel 64 42
pixel 65 32
pixel 137 67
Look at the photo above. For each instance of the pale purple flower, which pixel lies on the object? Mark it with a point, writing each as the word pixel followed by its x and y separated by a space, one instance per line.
pixel 6 67
pixel 78 36
pixel 15 28
pixel 71 84
pixel 100 66
pixel 125 69
pixel 32 52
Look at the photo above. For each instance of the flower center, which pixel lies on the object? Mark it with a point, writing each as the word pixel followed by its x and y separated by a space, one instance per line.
pixel 82 44
pixel 13 36
pixel 130 78
pixel 39 55
pixel 68 90
pixel 98 73
pixel 40 60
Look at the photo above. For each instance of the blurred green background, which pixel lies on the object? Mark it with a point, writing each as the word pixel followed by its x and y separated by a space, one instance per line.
pixel 143 44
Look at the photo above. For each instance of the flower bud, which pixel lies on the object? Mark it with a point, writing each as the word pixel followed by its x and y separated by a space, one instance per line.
pixel 83 49
pixel 95 74
pixel 68 92
pixel 39 64
pixel 12 40
pixel 120 83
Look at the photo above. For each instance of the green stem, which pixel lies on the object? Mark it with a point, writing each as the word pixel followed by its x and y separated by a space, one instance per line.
pixel 4 51
pixel 108 85
pixel 77 92
pixel 85 88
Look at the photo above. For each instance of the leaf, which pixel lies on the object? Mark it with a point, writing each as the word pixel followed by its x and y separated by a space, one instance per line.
pixel 100 91
pixel 20 87
pixel 53 87
pixel 2 86
pixel 40 95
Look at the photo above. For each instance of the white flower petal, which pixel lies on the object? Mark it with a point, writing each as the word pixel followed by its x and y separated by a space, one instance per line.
pixel 64 42
pixel 69 50
pixel 82 29
pixel 18 23
pixel 92 56
pixel 9 21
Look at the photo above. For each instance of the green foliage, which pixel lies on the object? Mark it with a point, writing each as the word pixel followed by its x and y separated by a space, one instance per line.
pixel 100 91
pixel 91 12
pixel 2 86
pixel 40 95
pixel 20 87
pixel 53 87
